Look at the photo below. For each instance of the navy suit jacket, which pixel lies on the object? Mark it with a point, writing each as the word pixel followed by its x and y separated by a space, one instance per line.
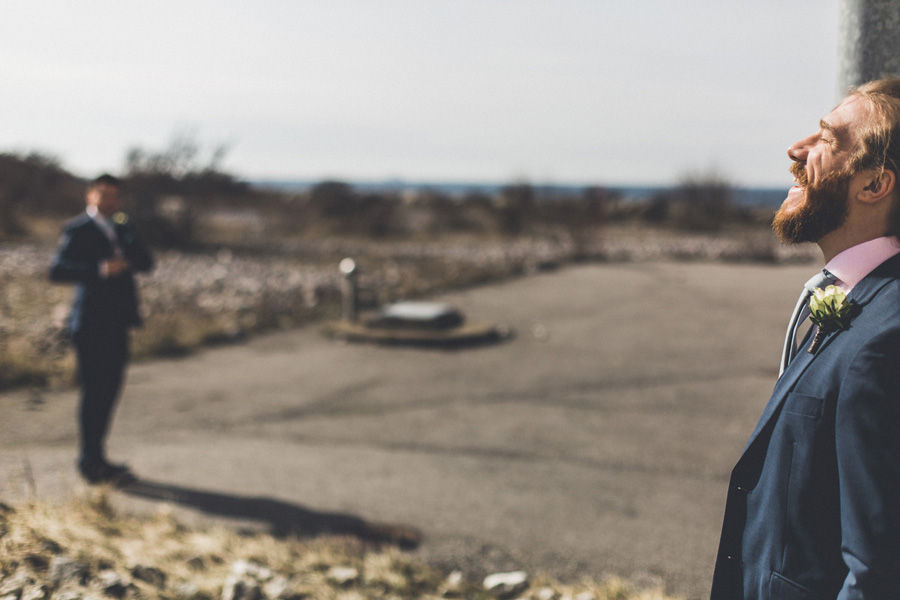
pixel 99 302
pixel 813 508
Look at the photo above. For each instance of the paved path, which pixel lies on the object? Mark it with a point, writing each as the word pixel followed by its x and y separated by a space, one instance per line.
pixel 598 440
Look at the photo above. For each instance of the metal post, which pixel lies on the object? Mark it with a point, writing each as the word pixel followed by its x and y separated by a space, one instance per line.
pixel 869 42
pixel 351 293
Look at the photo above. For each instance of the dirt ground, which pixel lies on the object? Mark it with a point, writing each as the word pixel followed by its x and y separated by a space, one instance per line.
pixel 598 440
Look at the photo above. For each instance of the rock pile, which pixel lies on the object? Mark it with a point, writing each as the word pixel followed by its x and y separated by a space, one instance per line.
pixel 85 551
pixel 69 579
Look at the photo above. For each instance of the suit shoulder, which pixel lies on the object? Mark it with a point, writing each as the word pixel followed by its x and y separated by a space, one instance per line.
pixel 79 222
pixel 887 300
pixel 878 324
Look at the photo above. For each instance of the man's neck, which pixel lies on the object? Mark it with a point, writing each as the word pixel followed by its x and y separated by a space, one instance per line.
pixel 95 213
pixel 843 239
pixel 865 220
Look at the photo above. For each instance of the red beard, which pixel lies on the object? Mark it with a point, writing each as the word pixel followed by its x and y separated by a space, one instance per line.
pixel 823 210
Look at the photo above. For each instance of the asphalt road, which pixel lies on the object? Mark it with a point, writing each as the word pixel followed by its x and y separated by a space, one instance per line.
pixel 596 441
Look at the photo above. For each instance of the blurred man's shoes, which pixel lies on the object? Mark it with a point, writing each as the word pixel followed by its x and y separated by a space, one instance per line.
pixel 104 472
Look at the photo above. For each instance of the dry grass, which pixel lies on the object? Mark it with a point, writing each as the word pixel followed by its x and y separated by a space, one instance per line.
pixel 32 348
pixel 196 299
pixel 200 564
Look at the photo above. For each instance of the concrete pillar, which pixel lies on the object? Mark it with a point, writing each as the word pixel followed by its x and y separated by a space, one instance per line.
pixel 869 41
pixel 350 289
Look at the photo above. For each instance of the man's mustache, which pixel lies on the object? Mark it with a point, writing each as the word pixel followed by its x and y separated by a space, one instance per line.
pixel 798 170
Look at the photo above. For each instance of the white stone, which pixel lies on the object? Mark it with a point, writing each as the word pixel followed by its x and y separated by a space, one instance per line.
pixel 250 569
pixel 277 587
pixel 506 584
pixel 454 579
pixel 452 584
pixel 545 593
pixel 343 575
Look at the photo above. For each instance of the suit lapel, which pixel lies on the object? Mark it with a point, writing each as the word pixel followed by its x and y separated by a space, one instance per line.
pixel 101 235
pixel 862 294
pixel 783 386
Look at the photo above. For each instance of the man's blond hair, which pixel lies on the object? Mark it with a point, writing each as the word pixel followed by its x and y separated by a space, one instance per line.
pixel 879 141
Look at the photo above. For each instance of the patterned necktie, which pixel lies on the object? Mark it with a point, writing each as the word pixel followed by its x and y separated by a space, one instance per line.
pixel 801 311
pixel 110 231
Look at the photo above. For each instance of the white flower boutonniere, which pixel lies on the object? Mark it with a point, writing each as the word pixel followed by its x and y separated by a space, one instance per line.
pixel 120 218
pixel 831 311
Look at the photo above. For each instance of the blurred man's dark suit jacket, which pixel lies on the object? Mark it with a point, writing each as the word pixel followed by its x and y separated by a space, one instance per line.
pixel 103 310
pixel 813 508
pixel 99 302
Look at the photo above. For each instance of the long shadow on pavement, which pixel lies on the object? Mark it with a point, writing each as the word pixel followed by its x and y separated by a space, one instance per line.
pixel 283 519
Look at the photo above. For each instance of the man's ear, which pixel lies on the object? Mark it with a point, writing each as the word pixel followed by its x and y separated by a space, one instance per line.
pixel 879 185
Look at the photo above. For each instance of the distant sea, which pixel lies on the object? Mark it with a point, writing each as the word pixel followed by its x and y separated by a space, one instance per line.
pixel 765 197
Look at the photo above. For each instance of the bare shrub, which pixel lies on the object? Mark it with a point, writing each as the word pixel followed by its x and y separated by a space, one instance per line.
pixel 517 206
pixel 34 184
pixel 340 209
pixel 700 203
pixel 166 189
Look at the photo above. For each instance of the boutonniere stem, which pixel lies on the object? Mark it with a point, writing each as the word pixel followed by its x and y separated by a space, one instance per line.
pixel 830 311
pixel 817 340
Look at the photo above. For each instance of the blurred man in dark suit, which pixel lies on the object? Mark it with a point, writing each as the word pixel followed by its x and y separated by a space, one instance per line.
pixel 100 253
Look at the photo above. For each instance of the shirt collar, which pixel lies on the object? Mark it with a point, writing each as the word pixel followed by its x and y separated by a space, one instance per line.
pixel 98 217
pixel 853 264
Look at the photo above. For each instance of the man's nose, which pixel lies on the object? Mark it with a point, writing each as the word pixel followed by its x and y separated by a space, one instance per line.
pixel 799 150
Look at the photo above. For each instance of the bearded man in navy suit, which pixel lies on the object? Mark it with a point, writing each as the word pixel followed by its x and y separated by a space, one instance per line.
pixel 813 507
pixel 100 253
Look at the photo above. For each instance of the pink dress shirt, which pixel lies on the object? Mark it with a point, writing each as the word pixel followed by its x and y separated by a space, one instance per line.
pixel 853 264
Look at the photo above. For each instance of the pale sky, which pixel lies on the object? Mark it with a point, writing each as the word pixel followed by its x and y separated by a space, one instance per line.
pixel 601 92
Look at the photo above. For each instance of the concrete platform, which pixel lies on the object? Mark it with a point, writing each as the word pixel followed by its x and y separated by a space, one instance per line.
pixel 417 323
pixel 468 334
